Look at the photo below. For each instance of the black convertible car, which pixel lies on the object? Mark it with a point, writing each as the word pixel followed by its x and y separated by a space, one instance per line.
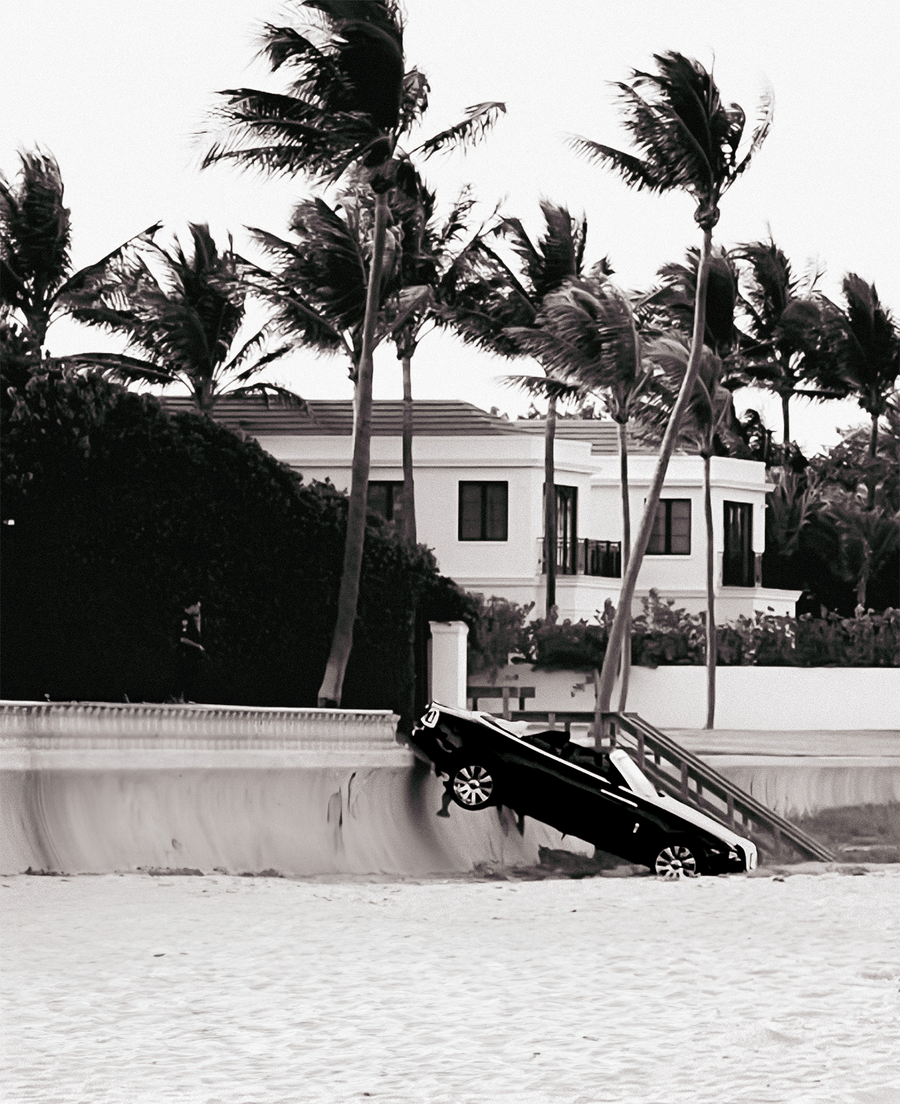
pixel 602 798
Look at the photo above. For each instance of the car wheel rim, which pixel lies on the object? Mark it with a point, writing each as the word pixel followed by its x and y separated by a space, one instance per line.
pixel 676 861
pixel 473 785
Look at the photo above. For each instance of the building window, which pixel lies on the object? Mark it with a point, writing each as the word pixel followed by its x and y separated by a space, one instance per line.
pixel 671 534
pixel 566 529
pixel 483 509
pixel 386 499
pixel 738 560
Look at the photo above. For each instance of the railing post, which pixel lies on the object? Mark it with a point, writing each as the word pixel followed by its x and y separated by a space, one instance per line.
pixel 684 780
pixel 729 806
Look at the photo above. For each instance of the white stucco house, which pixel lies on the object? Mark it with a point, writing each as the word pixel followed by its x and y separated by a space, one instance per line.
pixel 479 501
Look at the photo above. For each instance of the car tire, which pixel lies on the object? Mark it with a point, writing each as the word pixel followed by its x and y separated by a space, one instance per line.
pixel 676 858
pixel 473 785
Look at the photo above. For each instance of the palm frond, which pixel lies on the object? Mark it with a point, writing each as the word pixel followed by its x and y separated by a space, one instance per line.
pixel 546 387
pixel 479 120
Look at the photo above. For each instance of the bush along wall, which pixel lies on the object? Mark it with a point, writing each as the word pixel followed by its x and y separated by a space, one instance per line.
pixel 116 514
pixel 666 636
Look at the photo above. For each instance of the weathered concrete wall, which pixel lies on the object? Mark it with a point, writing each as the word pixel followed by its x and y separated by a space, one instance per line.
pixel 100 788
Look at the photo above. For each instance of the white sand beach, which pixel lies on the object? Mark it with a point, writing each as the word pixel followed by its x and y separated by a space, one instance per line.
pixel 131 989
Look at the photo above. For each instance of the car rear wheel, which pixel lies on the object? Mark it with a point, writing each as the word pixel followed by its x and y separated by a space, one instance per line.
pixel 473 785
pixel 676 859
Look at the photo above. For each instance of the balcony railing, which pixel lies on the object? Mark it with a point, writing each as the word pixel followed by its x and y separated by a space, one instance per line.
pixel 585 557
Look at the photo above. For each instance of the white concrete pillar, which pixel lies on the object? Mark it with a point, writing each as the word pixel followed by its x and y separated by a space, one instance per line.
pixel 448 658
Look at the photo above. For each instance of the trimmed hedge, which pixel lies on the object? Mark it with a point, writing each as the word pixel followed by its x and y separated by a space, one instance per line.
pixel 121 513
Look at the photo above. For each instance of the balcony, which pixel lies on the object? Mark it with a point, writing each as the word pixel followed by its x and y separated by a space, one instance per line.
pixel 585 557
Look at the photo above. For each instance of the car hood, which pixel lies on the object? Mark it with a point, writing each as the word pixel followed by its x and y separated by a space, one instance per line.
pixel 698 819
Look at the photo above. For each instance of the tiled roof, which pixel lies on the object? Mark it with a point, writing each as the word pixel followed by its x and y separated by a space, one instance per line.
pixel 431 418
pixel 334 418
pixel 602 433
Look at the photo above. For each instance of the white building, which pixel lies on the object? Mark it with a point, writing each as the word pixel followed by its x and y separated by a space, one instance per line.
pixel 479 502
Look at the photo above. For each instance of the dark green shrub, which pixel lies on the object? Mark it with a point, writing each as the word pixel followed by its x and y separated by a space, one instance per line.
pixel 121 512
pixel 665 636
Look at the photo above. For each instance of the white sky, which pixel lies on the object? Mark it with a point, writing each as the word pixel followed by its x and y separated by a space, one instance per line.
pixel 118 91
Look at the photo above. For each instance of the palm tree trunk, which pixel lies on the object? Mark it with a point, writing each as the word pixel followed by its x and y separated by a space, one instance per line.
pixel 629 578
pixel 409 490
pixel 626 556
pixel 785 422
pixel 871 478
pixel 333 682
pixel 710 601
pixel 550 505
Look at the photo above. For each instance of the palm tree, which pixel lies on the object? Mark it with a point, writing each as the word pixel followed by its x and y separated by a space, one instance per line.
pixel 783 319
pixel 184 310
pixel 703 430
pixel 37 284
pixel 427 252
pixel 868 534
pixel 348 105
pixel 687 139
pixel 320 284
pixel 862 355
pixel 589 339
pixel 492 305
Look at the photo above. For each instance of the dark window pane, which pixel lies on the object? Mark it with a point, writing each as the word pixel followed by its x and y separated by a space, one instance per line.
pixel 495 511
pixel 738 559
pixel 680 542
pixel 483 511
pixel 671 534
pixel 386 498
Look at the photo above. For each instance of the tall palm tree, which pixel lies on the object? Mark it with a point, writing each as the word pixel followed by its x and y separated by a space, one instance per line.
pixel 687 139
pixel 491 304
pixel 184 310
pixel 862 355
pixel 37 283
pixel 348 105
pixel 428 247
pixel 589 339
pixel 704 429
pixel 783 318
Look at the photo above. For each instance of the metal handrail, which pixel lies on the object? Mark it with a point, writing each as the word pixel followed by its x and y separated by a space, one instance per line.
pixel 694 781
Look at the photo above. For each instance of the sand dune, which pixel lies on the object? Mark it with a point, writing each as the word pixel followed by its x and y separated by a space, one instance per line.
pixel 132 989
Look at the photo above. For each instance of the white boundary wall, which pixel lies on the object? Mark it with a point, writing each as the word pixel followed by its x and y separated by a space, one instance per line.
pixel 101 787
pixel 755 698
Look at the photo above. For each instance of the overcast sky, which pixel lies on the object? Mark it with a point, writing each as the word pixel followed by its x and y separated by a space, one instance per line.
pixel 119 92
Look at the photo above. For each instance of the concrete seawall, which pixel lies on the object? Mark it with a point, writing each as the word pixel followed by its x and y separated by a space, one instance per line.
pixel 97 788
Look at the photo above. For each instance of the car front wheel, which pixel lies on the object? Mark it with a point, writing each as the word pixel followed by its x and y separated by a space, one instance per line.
pixel 473 786
pixel 676 859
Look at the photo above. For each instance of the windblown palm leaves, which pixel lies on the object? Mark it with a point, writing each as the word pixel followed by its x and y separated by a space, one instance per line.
pixel 37 284
pixel 862 351
pixel 348 102
pixel 686 138
pixel 783 322
pixel 677 297
pixel 184 310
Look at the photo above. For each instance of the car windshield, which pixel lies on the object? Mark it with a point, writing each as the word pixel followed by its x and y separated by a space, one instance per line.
pixel 634 777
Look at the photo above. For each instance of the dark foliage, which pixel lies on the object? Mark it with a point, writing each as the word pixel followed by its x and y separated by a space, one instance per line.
pixel 122 513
